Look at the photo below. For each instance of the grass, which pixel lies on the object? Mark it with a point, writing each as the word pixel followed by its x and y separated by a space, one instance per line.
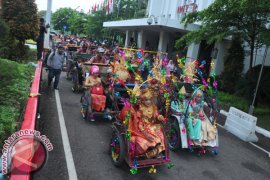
pixel 262 112
pixel 14 90
pixel 30 41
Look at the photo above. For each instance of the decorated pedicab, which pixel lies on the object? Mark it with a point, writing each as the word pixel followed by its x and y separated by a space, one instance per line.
pixel 138 135
pixel 78 71
pixel 193 112
pixel 97 98
pixel 71 53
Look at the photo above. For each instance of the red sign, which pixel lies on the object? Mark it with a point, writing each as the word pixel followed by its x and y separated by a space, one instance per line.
pixel 187 8
pixel 28 155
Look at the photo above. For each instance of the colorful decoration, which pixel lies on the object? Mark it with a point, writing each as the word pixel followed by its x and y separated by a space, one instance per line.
pixel 152 170
pixel 130 61
pixel 170 165
pixel 133 171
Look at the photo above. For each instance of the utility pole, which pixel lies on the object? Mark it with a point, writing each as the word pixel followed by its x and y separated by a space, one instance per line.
pixel 251 107
pixel 48 21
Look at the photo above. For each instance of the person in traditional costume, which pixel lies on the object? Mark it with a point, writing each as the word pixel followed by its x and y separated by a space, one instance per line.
pixel 201 131
pixel 94 95
pixel 146 126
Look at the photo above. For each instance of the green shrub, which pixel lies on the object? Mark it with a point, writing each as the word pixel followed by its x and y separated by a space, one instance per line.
pixel 31 55
pixel 14 91
pixel 8 116
pixel 246 85
pixel 227 100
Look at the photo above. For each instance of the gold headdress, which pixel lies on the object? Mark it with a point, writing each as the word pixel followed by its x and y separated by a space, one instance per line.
pixel 146 93
pixel 120 70
pixel 189 72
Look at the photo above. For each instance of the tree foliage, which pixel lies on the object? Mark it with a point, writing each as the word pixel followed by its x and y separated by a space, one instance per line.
pixel 22 19
pixel 4 29
pixel 62 17
pixel 92 24
pixel 224 18
pixel 42 14
pixel 233 66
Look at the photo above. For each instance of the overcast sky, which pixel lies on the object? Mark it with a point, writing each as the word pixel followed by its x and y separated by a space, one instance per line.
pixel 56 4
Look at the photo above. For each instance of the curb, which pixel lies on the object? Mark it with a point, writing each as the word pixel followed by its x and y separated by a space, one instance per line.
pixel 257 129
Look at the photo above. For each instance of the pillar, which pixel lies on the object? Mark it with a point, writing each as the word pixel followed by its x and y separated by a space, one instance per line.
pixel 128 34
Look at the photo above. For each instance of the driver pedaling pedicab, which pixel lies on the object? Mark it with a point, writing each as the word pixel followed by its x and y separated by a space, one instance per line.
pixel 71 53
pixel 193 114
pixel 78 71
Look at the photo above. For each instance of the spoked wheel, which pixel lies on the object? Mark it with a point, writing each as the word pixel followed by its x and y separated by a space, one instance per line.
pixel 173 135
pixel 117 149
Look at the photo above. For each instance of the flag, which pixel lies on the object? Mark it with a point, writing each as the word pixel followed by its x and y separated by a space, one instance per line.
pixel 108 7
pixel 111 6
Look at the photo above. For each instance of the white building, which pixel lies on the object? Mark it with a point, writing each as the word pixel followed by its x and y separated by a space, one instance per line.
pixel 161 28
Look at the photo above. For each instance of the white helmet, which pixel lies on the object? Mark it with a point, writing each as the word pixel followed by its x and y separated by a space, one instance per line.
pixel 101 50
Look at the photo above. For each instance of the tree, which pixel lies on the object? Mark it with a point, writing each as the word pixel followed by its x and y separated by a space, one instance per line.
pixel 94 26
pixel 62 17
pixel 42 14
pixel 22 19
pixel 233 66
pixel 77 23
pixel 223 18
pixel 4 29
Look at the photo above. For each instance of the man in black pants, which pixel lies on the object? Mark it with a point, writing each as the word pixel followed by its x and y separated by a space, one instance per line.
pixel 40 39
pixel 55 64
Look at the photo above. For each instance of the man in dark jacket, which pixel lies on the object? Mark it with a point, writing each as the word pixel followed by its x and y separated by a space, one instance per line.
pixel 40 39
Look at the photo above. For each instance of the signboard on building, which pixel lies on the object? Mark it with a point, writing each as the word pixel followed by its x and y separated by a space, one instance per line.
pixel 188 7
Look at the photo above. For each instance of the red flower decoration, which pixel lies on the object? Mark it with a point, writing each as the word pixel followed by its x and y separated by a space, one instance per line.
pixel 183 130
pixel 121 82
pixel 153 82
pixel 142 51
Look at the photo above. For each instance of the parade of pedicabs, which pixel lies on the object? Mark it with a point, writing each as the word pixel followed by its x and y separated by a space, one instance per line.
pixel 134 89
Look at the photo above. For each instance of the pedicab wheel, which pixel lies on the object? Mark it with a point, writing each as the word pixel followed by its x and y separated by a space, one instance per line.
pixel 173 135
pixel 117 149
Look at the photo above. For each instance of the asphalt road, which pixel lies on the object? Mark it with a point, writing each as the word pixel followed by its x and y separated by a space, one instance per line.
pixel 89 143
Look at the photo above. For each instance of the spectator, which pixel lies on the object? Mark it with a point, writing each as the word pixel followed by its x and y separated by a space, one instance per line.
pixel 40 39
pixel 170 68
pixel 55 64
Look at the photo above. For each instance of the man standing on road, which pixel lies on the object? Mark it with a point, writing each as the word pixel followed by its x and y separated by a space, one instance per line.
pixel 55 64
pixel 40 39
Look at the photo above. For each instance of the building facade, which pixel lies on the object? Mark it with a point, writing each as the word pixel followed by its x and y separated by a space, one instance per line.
pixel 161 28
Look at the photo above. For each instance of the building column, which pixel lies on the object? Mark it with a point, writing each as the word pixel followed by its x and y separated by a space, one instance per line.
pixel 161 41
pixel 128 35
pixel 193 51
pixel 141 39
